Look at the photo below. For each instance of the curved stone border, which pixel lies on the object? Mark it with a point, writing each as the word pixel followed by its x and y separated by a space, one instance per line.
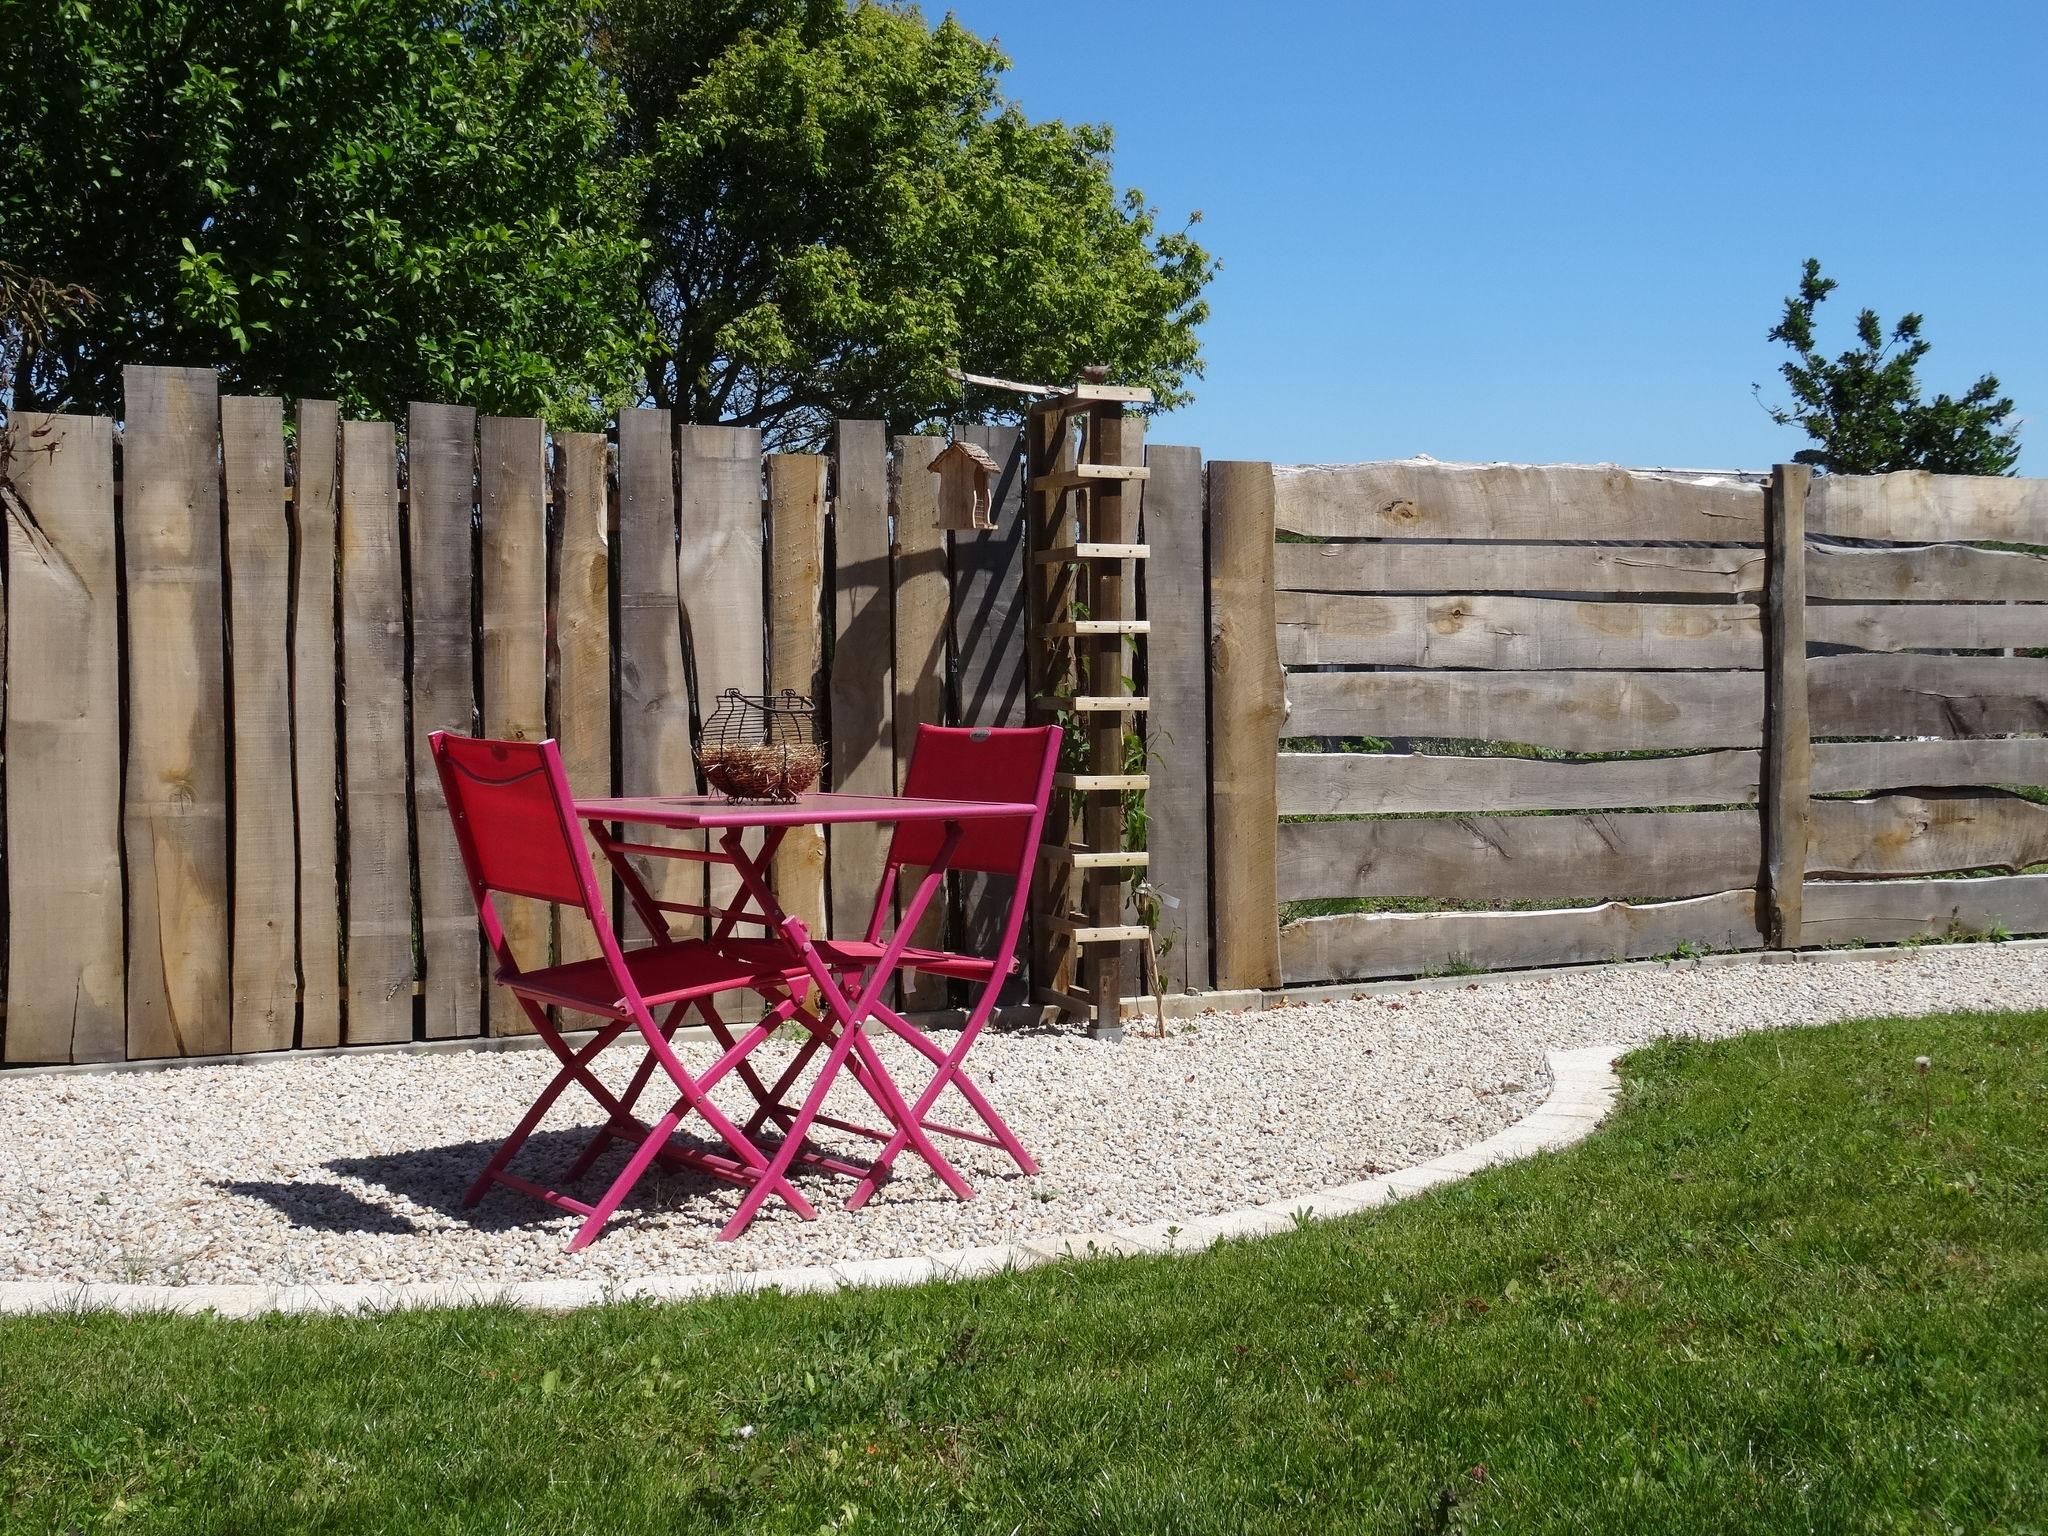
pixel 1582 1089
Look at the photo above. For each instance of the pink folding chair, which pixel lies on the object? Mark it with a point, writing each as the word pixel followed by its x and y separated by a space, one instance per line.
pixel 517 829
pixel 946 763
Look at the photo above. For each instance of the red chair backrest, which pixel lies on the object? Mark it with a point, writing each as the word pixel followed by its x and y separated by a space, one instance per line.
pixel 979 763
pixel 515 821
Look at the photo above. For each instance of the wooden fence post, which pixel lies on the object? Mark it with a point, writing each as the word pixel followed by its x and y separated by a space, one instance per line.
pixel 796 647
pixel 1249 706
pixel 1788 741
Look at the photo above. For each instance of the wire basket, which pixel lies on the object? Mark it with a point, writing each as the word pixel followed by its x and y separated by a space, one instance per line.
pixel 761 749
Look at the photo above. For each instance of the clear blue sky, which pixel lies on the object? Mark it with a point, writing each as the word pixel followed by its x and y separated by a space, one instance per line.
pixel 1560 231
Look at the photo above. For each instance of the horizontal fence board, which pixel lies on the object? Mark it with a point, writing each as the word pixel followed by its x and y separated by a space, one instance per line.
pixel 1889 911
pixel 1436 567
pixel 1357 947
pixel 1927 695
pixel 1419 498
pixel 1928 626
pixel 1932 834
pixel 1569 711
pixel 1522 858
pixel 1940 572
pixel 1374 783
pixel 1513 633
pixel 1913 504
pixel 1842 767
pixel 67 989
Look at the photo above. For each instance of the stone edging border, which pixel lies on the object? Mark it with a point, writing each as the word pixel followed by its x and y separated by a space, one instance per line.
pixel 1582 1091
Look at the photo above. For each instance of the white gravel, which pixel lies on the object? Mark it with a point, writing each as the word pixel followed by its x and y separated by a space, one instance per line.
pixel 303 1171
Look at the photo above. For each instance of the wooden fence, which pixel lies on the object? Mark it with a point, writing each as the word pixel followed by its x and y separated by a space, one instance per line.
pixel 1546 715
pixel 1404 718
pixel 227 643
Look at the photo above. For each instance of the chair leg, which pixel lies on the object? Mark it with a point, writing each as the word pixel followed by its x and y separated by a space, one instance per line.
pixel 572 1070
pixel 621 1186
pixel 605 1134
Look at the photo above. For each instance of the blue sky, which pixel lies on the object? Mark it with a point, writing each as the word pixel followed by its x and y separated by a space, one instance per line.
pixel 1559 232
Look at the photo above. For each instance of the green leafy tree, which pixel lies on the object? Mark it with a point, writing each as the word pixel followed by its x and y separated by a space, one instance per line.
pixel 840 204
pixel 1864 409
pixel 376 199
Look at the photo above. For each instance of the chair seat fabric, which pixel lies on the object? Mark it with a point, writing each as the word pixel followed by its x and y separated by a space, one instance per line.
pixel 664 973
pixel 856 953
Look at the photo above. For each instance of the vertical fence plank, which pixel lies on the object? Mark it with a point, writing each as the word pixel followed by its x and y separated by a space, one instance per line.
pixel 1788 743
pixel 796 647
pixel 719 569
pixel 583 643
pixel 919 577
pixel 66 996
pixel 1249 705
pixel 314 743
pixel 265 977
pixel 440 461
pixel 654 704
pixel 379 893
pixel 512 496
pixel 863 752
pixel 989 646
pixel 1177 729
pixel 176 792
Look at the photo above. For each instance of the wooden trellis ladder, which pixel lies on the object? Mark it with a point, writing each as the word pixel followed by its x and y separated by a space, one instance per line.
pixel 1082 518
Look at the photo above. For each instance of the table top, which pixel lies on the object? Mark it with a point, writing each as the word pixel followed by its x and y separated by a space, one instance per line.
pixel 690 812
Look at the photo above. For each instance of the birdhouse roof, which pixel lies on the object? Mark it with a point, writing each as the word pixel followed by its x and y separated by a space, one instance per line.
pixel 964 450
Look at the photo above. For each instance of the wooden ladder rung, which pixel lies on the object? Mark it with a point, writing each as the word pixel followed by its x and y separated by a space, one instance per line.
pixel 1082 858
pixel 1067 554
pixel 1075 629
pixel 1081 396
pixel 1081 931
pixel 1097 704
pixel 1080 476
pixel 1087 781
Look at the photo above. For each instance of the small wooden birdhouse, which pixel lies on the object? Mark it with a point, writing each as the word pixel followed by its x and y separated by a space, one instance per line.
pixel 966 487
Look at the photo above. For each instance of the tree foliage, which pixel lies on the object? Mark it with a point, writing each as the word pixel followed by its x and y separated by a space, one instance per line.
pixel 1864 408
pixel 373 199
pixel 840 203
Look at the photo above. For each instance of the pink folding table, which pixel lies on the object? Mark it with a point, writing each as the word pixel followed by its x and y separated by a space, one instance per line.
pixel 847 1001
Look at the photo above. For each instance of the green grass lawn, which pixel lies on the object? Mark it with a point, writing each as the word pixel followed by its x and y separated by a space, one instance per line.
pixel 1770 1296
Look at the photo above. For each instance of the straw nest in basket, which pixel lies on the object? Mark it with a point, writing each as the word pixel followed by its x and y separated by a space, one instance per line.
pixel 758 771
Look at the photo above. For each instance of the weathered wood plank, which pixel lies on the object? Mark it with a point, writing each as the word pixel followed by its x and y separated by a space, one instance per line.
pixel 1888 911
pixel 1441 567
pixel 316 702
pixel 1879 695
pixel 796 647
pixel 583 628
pixel 1940 572
pixel 1929 626
pixel 175 821
pixel 1927 834
pixel 512 503
pixel 722 562
pixel 1323 629
pixel 654 693
pixel 1521 858
pixel 379 890
pixel 1358 946
pixel 1247 709
pixel 1915 505
pixel 266 964
pixel 863 750
pixel 1177 728
pixel 1569 711
pixel 919 673
pixel 66 993
pixel 1377 783
pixel 1788 742
pixel 440 458
pixel 1841 767
pixel 1420 498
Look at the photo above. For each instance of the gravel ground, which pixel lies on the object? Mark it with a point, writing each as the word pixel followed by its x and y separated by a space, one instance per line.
pixel 352 1169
